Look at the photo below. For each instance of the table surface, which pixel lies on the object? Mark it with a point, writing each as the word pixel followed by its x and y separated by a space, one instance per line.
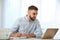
pixel 17 38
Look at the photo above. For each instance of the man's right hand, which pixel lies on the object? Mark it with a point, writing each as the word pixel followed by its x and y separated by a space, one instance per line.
pixel 16 34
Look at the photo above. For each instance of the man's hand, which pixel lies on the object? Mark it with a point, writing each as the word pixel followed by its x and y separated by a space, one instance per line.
pixel 32 35
pixel 16 34
pixel 23 35
pixel 29 35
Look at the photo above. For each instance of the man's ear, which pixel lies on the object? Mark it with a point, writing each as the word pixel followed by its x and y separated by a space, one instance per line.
pixel 28 11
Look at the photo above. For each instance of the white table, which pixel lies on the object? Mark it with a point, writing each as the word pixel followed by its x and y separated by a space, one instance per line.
pixel 16 38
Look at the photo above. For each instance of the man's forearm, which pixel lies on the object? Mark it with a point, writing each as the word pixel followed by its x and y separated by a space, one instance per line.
pixel 19 35
pixel 29 35
pixel 12 35
pixel 15 34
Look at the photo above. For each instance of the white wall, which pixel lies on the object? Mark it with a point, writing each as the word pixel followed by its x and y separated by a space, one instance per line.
pixel 58 18
pixel 1 13
pixel 50 15
pixel 12 11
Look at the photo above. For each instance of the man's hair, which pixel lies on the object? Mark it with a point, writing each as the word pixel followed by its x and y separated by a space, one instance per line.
pixel 32 8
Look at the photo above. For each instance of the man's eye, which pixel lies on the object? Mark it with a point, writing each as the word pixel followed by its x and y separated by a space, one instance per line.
pixel 34 13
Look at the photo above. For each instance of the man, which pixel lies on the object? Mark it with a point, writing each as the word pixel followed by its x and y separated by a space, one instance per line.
pixel 27 26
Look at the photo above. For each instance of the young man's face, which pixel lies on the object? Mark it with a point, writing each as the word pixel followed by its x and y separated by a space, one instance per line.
pixel 32 14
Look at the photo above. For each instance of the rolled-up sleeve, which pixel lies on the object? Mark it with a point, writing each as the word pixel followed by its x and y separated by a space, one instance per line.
pixel 38 31
pixel 14 28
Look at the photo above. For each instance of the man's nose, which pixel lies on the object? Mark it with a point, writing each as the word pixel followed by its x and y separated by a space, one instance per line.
pixel 35 15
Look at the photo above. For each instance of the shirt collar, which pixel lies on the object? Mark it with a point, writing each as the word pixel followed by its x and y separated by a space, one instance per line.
pixel 28 19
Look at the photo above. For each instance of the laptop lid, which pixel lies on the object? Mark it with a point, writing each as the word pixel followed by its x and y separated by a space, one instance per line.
pixel 50 33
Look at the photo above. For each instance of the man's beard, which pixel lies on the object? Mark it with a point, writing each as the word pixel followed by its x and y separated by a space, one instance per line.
pixel 31 18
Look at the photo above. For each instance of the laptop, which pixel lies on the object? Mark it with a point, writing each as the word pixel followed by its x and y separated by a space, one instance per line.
pixel 50 33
